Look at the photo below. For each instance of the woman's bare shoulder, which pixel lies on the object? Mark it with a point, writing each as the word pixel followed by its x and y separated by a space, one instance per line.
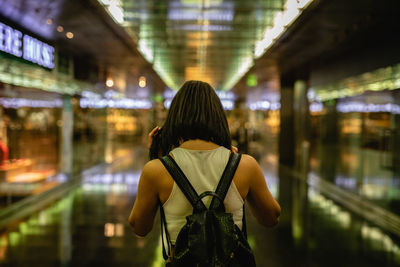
pixel 248 168
pixel 248 163
pixel 244 174
pixel 153 169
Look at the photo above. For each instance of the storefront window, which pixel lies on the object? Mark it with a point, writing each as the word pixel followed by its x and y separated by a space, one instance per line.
pixel 30 141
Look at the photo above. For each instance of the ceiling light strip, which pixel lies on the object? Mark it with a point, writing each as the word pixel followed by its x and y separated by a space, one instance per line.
pixel 282 20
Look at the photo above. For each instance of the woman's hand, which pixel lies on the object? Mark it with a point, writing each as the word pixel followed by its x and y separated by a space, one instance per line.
pixel 152 134
pixel 235 149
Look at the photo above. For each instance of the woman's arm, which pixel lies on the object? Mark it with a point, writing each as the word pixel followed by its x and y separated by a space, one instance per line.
pixel 145 208
pixel 262 204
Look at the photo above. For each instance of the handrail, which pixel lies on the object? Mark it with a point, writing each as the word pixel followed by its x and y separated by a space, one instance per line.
pixel 360 206
pixel 364 208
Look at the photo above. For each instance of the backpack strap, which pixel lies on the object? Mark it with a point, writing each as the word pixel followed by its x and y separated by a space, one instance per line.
pixel 224 184
pixel 183 183
pixel 244 227
pixel 225 181
pixel 164 230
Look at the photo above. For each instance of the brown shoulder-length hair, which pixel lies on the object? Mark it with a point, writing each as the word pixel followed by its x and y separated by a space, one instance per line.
pixel 196 112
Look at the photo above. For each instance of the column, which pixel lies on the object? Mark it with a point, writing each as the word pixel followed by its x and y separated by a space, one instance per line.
pixel 67 136
pixel 301 126
pixel 286 133
pixel 329 123
pixel 329 147
pixel 302 147
pixel 286 153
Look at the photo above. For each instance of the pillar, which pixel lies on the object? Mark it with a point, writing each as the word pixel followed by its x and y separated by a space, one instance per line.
pixel 301 126
pixel 286 154
pixel 286 133
pixel 329 147
pixel 302 151
pixel 67 136
pixel 329 123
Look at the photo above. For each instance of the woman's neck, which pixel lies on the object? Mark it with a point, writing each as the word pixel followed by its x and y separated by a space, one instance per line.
pixel 198 144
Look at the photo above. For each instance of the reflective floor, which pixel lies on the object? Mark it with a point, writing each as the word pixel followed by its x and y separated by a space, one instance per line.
pixel 89 227
pixel 361 171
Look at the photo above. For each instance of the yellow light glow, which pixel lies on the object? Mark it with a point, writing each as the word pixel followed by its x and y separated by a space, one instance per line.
pixel 49 21
pixel 193 73
pixel 198 42
pixel 60 28
pixel 69 35
pixel 142 84
pixel 119 229
pixel 3 246
pixel 109 229
pixel 109 82
pixel 31 177
pixel 142 81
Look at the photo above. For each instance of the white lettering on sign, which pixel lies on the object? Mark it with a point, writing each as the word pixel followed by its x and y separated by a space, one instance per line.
pixel 22 45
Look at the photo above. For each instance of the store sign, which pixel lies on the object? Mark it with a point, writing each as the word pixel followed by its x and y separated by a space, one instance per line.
pixel 22 45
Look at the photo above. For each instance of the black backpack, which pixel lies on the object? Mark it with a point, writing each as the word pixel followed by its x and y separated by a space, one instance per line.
pixel 209 237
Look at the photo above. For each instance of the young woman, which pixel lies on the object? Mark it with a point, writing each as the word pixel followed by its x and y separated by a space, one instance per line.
pixel 196 135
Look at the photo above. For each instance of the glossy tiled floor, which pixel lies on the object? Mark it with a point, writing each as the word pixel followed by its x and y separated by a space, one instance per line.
pixel 89 227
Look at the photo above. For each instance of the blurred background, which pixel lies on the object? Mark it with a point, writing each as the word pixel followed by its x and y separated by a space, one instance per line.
pixel 311 89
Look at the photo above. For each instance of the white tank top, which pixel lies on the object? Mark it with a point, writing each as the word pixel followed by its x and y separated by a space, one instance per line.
pixel 203 169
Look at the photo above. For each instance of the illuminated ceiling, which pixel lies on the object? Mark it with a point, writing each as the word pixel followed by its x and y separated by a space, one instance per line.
pixel 211 40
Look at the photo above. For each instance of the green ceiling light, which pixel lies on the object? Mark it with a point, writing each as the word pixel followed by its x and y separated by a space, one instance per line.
pixel 158 98
pixel 160 69
pixel 238 71
pixel 14 238
pixel 251 80
pixel 146 46
pixel 330 102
